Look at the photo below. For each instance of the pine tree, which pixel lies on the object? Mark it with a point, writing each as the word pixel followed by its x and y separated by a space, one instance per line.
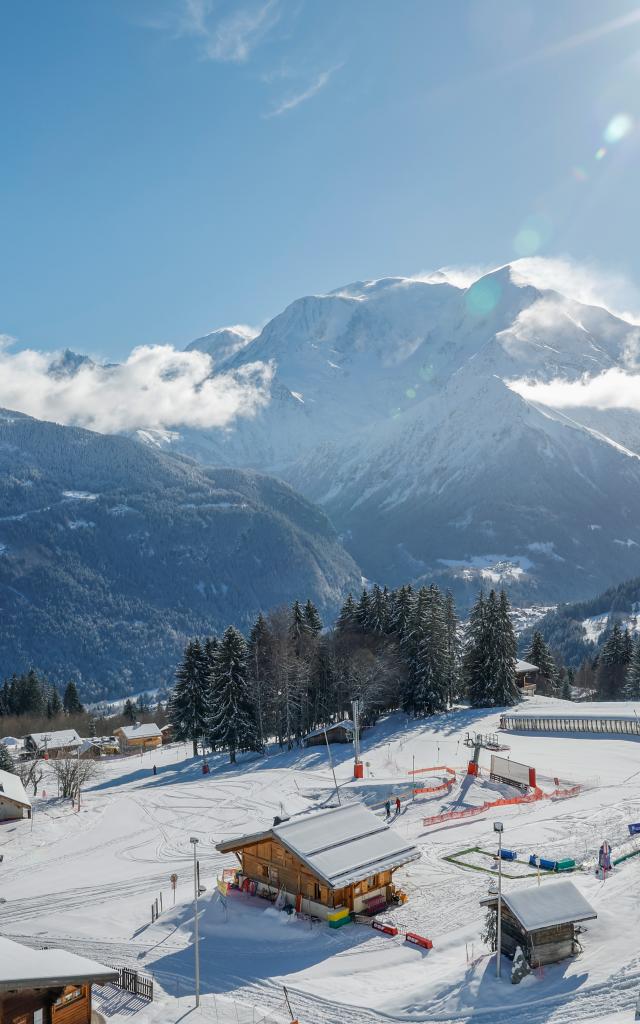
pixel 410 648
pixel 129 710
pixel 312 619
pixel 232 723
pixel 54 703
pixel 539 654
pixel 431 667
pixel 475 655
pixel 298 629
pixel 452 636
pixel 258 671
pixel 401 607
pixel 503 688
pixel 189 705
pixel 6 761
pixel 377 617
pixel 362 611
pixel 612 665
pixel 347 618
pixel 632 681
pixel 520 967
pixel 71 700
pixel 489 933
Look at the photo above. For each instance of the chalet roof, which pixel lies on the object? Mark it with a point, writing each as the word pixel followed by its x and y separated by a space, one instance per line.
pixel 11 742
pixel 21 966
pixel 525 666
pixel 134 732
pixel 339 846
pixel 55 740
pixel 346 723
pixel 547 905
pixel 12 789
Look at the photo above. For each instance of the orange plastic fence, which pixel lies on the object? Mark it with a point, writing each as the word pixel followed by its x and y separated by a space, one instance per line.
pixel 528 798
pixel 447 784
pixel 438 768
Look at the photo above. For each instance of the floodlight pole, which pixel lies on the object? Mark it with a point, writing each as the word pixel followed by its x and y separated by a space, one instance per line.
pixel 335 781
pixel 497 827
pixel 196 936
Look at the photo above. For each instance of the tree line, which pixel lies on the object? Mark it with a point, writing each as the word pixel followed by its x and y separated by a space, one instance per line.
pixel 31 694
pixel 388 649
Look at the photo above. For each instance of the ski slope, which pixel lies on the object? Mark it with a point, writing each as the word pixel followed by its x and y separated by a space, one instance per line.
pixel 87 880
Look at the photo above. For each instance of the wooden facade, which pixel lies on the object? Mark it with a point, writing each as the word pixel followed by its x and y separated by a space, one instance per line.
pixel 339 732
pixel 68 1005
pixel 273 868
pixel 540 947
pixel 130 743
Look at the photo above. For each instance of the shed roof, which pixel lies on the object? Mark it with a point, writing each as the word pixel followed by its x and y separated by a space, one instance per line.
pixel 525 666
pixel 341 845
pixel 12 789
pixel 55 740
pixel 21 966
pixel 346 723
pixel 547 905
pixel 133 732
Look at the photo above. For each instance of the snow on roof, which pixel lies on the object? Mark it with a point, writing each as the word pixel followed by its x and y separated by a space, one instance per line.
pixel 132 732
pixel 12 741
pixel 525 666
pixel 345 844
pixel 547 707
pixel 55 740
pixel 12 789
pixel 548 905
pixel 22 966
pixel 345 724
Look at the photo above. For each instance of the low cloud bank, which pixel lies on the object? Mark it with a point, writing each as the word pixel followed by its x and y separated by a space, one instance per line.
pixel 156 387
pixel 613 389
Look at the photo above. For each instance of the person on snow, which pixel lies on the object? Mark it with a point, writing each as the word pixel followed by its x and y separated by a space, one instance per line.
pixel 387 808
pixel 398 805
pixel 155 770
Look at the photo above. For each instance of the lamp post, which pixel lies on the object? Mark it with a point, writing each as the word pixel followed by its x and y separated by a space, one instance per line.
pixel 194 843
pixel 498 827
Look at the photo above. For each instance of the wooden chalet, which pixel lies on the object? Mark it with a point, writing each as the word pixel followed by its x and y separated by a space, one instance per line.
pixel 60 743
pixel 168 733
pixel 339 732
pixel 344 857
pixel 526 674
pixel 136 738
pixel 47 986
pixel 14 802
pixel 543 920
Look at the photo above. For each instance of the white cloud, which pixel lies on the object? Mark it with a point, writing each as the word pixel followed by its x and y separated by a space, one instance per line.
pixel 583 282
pixel 613 389
pixel 231 37
pixel 156 387
pixel 293 101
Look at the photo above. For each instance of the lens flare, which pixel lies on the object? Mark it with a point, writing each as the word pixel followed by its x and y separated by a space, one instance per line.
pixel 580 174
pixel 618 127
pixel 601 153
pixel 483 296
pixel 533 234
pixel 411 392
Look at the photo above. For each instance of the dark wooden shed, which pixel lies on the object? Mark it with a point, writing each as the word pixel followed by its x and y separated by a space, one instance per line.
pixel 543 920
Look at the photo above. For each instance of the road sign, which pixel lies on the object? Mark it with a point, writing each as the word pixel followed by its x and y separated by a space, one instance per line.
pixel 174 881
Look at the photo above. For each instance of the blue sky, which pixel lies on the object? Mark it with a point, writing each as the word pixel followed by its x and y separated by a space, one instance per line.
pixel 170 166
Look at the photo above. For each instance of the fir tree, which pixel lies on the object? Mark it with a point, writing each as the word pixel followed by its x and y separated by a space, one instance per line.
pixel 232 723
pixel 474 659
pixel 71 700
pixel 298 629
pixel 431 679
pixel 490 653
pixel 520 967
pixel 612 665
pixel 503 686
pixel 539 654
pixel 189 705
pixel 401 603
pixel 362 611
pixel 632 680
pixel 312 619
pixel 129 710
pixel 54 703
pixel 347 618
pixel 452 638
pixel 258 666
pixel 6 761
pixel 377 614
pixel 489 933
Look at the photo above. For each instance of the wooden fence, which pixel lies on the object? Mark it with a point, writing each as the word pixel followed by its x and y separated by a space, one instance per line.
pixel 132 981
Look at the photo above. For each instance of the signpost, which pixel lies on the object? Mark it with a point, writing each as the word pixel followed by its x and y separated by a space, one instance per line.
pixel 174 882
pixel 498 827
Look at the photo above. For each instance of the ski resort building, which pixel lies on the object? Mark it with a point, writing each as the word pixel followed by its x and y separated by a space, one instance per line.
pixel 543 920
pixel 63 743
pixel 47 986
pixel 549 717
pixel 14 802
pixel 339 732
pixel 136 738
pixel 339 858
pixel 525 677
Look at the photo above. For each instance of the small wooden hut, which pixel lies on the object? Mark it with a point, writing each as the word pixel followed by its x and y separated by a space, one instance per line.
pixel 136 738
pixel 526 675
pixel 543 920
pixel 14 802
pixel 339 732
pixel 47 986
pixel 338 858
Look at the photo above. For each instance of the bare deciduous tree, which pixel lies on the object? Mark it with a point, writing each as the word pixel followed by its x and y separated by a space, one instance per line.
pixel 72 773
pixel 30 774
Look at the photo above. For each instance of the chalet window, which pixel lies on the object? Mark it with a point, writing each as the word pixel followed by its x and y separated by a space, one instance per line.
pixel 69 997
pixel 265 870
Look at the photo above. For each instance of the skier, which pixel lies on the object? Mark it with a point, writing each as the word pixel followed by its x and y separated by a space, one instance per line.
pixel 155 770
pixel 398 805
pixel 387 808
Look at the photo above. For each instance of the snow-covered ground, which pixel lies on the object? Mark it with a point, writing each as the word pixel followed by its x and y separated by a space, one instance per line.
pixel 87 880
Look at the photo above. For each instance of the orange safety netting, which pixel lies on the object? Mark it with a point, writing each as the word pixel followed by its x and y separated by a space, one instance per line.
pixel 447 784
pixel 527 798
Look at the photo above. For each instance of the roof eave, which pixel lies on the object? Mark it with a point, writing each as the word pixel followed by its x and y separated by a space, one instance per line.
pixel 56 980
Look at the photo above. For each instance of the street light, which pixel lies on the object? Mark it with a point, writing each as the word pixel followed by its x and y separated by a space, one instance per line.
pixel 195 842
pixel 498 827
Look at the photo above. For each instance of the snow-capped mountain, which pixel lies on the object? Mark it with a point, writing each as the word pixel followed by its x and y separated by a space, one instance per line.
pixel 393 406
